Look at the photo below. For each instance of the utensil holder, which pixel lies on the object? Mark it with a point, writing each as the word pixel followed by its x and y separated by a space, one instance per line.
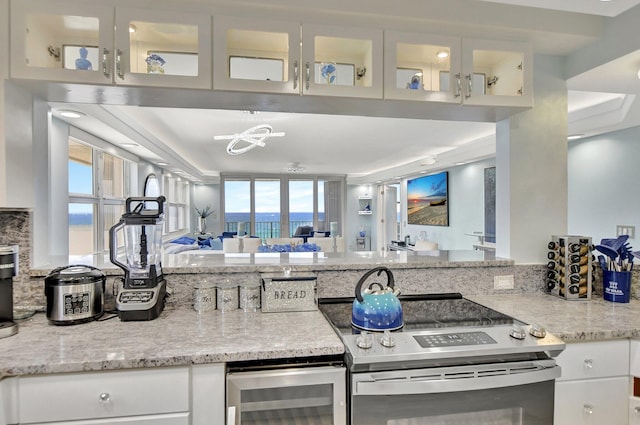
pixel 616 286
pixel 570 267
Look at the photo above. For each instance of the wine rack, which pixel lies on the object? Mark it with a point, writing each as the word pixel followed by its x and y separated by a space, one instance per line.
pixel 570 267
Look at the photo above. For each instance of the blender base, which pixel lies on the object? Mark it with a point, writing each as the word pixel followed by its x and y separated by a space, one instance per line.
pixel 130 308
pixel 8 328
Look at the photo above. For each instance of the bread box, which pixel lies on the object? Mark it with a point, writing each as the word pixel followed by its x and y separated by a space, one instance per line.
pixel 293 291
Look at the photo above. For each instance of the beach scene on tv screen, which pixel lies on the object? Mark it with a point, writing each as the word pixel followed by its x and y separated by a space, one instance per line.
pixel 427 200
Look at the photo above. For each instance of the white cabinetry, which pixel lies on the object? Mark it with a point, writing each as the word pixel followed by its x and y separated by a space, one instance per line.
pixel 149 396
pixel 594 385
pixel 88 43
pixel 449 69
pixel 634 371
pixel 286 57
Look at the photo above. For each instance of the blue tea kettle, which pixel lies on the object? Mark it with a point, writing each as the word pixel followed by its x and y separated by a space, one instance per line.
pixel 377 309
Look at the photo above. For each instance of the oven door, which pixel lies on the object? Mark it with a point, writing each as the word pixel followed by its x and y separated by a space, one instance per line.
pixel 497 394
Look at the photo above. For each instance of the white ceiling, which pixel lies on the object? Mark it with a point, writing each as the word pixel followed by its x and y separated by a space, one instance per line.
pixel 365 149
pixel 608 8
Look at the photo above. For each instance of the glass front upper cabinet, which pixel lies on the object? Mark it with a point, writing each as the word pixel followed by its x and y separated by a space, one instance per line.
pixel 420 66
pixel 449 69
pixel 61 41
pixel 503 69
pixel 340 61
pixel 252 55
pixel 71 42
pixel 268 56
pixel 161 48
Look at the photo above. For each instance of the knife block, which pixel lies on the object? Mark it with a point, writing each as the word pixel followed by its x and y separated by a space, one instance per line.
pixel 570 267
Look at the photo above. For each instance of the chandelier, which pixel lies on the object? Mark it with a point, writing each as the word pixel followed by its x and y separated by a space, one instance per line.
pixel 251 138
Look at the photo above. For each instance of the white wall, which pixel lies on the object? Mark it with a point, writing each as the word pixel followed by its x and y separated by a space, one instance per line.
pixel 603 185
pixel 466 208
pixel 4 73
pixel 203 195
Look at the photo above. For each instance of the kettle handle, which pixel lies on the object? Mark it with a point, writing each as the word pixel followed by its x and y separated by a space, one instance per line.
pixel 379 270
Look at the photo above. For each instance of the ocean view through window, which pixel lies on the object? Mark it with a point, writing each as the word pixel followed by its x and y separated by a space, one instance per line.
pixel 276 207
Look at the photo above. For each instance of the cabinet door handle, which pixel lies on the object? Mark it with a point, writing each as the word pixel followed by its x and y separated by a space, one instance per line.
pixel 636 410
pixel 469 86
pixel 295 75
pixel 119 64
pixel 458 86
pixel 105 62
pixel 588 363
pixel 105 398
pixel 231 415
pixel 308 76
pixel 588 409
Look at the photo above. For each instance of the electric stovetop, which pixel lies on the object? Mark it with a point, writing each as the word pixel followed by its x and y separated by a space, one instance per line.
pixel 439 329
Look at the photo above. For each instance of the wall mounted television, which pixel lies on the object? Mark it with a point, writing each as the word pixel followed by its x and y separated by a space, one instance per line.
pixel 428 200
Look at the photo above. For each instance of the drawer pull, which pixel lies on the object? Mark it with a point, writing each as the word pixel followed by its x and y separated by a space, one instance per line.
pixel 105 398
pixel 588 363
pixel 636 410
pixel 588 409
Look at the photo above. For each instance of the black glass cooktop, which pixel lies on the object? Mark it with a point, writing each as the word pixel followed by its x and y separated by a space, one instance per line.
pixel 422 312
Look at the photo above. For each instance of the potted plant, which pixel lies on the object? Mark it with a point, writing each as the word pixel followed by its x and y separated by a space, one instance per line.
pixel 202 218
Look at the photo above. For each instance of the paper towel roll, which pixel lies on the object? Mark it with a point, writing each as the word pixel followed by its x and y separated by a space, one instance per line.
pixel 242 228
pixel 334 228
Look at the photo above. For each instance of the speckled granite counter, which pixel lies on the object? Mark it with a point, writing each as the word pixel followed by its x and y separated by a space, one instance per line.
pixel 572 321
pixel 207 261
pixel 182 337
pixel 177 337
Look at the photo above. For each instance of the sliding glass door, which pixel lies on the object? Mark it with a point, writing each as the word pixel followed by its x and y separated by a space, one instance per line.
pixel 280 206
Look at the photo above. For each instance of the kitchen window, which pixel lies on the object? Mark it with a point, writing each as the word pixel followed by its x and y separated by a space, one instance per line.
pixel 176 191
pixel 97 192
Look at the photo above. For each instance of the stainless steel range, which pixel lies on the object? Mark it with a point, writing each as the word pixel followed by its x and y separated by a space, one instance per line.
pixel 454 361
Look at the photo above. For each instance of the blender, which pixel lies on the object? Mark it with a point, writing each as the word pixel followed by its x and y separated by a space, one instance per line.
pixel 144 288
pixel 8 269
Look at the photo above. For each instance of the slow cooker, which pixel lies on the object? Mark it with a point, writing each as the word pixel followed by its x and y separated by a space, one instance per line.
pixel 75 294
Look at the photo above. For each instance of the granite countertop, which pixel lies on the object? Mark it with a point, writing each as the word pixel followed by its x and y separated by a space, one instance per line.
pixel 573 321
pixel 183 337
pixel 207 261
pixel 177 337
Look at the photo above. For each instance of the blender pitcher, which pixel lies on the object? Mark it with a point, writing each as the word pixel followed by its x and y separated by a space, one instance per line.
pixel 142 227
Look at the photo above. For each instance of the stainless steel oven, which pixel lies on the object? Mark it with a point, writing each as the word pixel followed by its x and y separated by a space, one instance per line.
pixel 454 362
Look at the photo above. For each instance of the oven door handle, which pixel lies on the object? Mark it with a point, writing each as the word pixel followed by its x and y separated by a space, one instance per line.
pixel 408 385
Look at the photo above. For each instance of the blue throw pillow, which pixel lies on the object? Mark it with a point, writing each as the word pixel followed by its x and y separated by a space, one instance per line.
pixel 184 240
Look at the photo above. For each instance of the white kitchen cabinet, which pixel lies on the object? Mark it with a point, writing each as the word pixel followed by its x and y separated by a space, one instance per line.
pixel 416 65
pixel 506 71
pixel 634 410
pixel 86 43
pixel 286 57
pixel 256 55
pixel 427 67
pixel 355 55
pixel 142 396
pixel 594 386
pixel 634 371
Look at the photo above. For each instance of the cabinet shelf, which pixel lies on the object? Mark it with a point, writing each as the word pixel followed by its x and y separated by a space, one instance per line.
pixel 365 212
